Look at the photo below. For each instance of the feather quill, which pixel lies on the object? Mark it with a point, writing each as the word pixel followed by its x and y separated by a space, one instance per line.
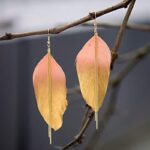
pixel 49 84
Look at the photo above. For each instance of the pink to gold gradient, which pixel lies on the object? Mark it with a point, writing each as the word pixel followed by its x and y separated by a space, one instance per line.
pixel 93 69
pixel 51 112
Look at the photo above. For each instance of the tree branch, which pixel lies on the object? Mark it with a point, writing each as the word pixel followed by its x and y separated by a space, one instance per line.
pixel 78 138
pixel 74 90
pixel 56 30
pixel 85 116
pixel 121 33
pixel 137 56
pixel 130 55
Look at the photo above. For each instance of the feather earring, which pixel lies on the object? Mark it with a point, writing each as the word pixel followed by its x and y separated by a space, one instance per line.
pixel 49 84
pixel 93 69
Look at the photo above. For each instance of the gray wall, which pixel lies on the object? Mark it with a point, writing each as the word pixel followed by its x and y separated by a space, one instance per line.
pixel 21 125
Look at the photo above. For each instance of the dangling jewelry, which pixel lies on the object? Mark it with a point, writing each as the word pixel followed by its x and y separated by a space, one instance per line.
pixel 49 84
pixel 93 69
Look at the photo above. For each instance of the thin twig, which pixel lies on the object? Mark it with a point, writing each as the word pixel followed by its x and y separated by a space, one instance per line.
pixel 130 55
pixel 138 56
pixel 78 138
pixel 85 116
pixel 122 28
pixel 121 33
pixel 56 30
pixel 139 27
pixel 74 90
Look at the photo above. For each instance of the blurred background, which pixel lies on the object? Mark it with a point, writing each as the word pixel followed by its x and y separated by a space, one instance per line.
pixel 21 125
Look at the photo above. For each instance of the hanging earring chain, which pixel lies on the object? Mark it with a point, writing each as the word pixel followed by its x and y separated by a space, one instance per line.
pixel 48 42
pixel 95 24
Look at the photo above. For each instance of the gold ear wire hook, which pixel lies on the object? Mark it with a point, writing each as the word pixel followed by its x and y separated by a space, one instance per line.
pixel 48 41
pixel 95 23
